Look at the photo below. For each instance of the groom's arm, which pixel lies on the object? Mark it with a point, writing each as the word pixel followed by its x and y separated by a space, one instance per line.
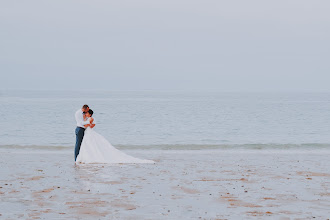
pixel 85 122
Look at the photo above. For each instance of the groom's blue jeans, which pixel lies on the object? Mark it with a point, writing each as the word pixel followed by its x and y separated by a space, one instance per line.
pixel 79 137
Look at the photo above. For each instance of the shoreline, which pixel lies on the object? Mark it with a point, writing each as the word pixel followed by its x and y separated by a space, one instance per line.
pixel 229 147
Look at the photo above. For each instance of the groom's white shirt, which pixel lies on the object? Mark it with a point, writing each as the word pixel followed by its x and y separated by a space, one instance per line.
pixel 80 119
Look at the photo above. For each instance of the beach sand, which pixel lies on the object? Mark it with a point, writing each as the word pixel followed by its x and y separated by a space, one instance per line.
pixel 183 184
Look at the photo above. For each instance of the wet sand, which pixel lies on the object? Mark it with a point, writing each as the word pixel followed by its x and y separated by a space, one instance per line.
pixel 185 184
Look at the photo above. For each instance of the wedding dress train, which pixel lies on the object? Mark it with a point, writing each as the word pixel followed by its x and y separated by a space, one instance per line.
pixel 96 149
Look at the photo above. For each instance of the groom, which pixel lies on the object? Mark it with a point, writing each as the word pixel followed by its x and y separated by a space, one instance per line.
pixel 80 130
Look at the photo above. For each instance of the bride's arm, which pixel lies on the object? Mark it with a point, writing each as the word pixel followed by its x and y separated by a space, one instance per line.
pixel 92 125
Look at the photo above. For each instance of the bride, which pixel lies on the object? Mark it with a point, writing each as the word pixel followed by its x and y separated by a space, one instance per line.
pixel 96 149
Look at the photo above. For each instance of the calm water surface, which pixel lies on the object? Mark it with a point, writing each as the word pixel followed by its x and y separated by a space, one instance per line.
pixel 151 119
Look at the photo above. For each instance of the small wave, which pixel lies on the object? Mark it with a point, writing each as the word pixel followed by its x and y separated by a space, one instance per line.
pixel 227 146
pixel 37 147
pixel 256 146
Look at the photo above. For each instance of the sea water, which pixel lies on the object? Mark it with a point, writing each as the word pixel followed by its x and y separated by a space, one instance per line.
pixel 171 120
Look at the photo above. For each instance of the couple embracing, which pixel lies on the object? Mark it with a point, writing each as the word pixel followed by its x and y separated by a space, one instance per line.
pixel 91 147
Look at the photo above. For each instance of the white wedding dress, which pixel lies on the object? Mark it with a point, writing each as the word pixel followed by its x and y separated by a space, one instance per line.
pixel 96 149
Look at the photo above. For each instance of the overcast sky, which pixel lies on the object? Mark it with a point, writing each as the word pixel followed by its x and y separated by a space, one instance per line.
pixel 236 45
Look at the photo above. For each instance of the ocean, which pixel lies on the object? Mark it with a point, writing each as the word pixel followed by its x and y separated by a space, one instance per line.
pixel 168 120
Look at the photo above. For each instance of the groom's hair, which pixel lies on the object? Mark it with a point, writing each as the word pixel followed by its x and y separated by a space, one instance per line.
pixel 90 112
pixel 85 106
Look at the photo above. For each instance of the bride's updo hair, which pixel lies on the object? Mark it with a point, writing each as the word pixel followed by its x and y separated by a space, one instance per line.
pixel 90 111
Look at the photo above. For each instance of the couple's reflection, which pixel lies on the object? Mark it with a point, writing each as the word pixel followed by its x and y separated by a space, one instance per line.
pixel 94 176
